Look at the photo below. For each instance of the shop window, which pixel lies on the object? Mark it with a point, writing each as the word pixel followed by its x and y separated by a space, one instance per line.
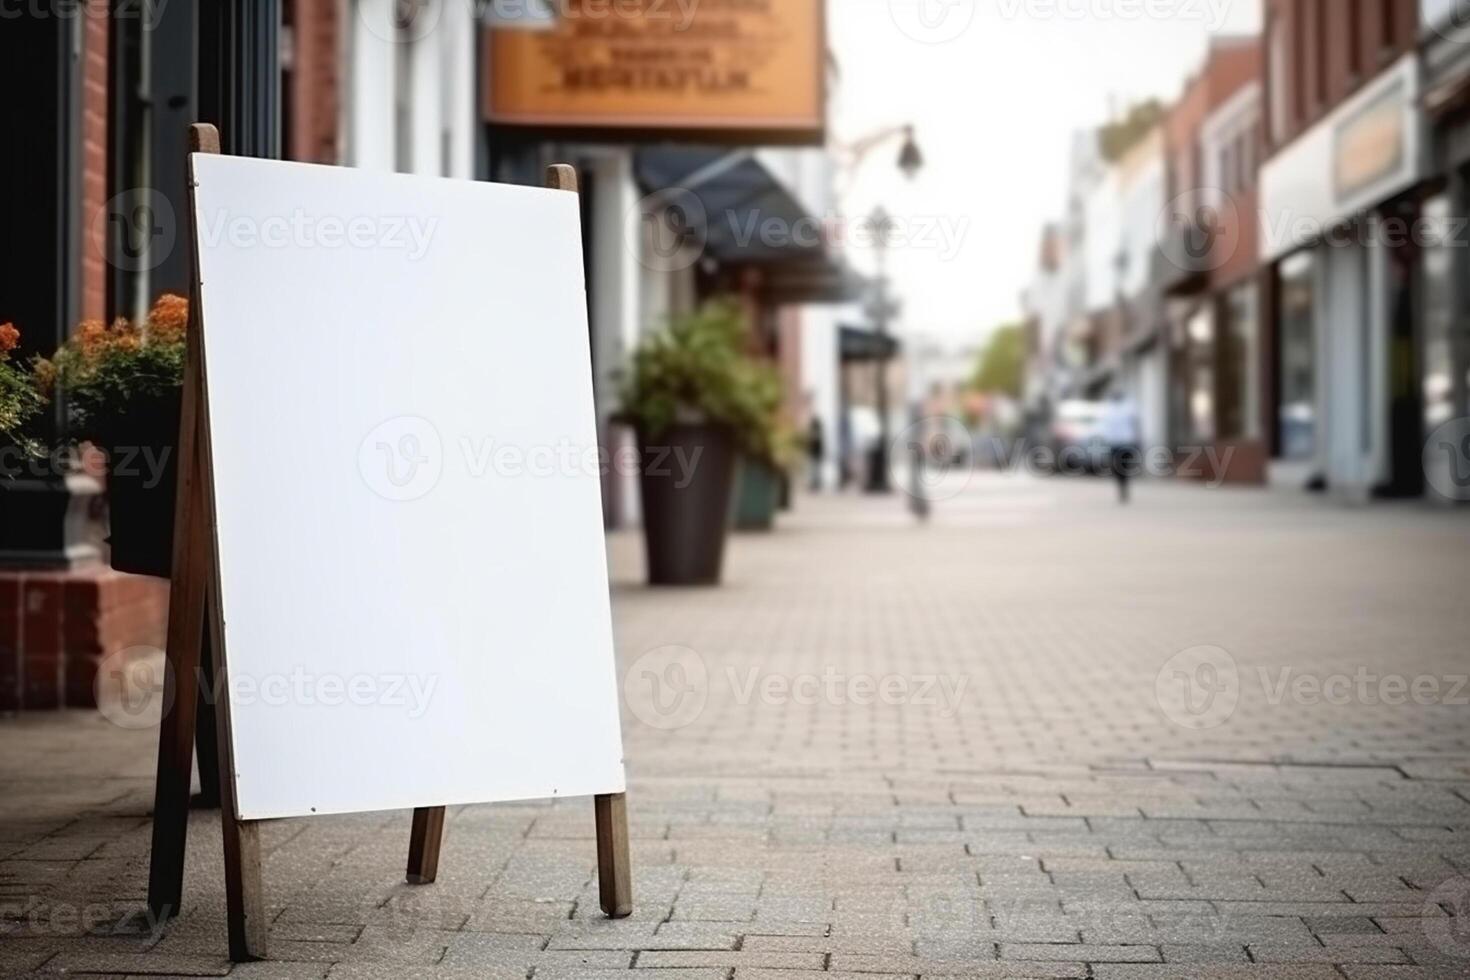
pixel 1276 82
pixel 1438 375
pixel 1354 39
pixel 1241 391
pixel 1201 376
pixel 1323 49
pixel 1297 420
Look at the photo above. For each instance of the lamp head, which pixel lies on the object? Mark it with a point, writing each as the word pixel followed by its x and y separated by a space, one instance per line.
pixel 910 159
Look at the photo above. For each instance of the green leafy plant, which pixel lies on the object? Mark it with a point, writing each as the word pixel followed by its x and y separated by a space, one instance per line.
pixel 20 401
pixel 696 370
pixel 119 379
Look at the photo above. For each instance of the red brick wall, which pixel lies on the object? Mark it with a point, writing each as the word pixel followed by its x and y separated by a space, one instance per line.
pixel 57 627
pixel 94 157
pixel 1333 47
pixel 316 105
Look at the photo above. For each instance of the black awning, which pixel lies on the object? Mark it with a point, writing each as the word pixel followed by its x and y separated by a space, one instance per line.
pixel 822 279
pixel 749 218
pixel 861 344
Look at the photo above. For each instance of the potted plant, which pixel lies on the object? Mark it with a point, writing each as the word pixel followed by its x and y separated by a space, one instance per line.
pixel 763 478
pixel 696 401
pixel 123 387
pixel 20 402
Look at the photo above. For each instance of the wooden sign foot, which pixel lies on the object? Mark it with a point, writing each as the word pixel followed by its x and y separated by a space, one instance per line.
pixel 244 894
pixel 423 845
pixel 614 873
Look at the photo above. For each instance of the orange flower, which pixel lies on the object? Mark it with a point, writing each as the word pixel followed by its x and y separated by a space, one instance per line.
pixel 170 314
pixel 9 337
pixel 45 374
pixel 90 333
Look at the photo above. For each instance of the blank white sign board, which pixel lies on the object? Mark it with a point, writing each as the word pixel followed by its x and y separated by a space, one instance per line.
pixel 412 569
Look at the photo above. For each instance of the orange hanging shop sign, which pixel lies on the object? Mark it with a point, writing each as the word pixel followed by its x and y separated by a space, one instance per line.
pixel 736 70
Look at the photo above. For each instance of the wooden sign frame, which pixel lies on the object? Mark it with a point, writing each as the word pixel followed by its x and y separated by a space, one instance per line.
pixel 195 625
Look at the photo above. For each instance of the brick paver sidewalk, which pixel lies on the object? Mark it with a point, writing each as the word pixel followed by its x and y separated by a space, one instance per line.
pixel 1220 734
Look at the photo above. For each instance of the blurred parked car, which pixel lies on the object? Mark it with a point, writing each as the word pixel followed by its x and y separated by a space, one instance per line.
pixel 1076 438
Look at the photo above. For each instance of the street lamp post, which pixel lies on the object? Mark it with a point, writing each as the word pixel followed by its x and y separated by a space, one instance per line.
pixel 910 162
pixel 881 226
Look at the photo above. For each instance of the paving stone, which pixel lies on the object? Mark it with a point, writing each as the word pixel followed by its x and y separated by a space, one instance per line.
pixel 1057 812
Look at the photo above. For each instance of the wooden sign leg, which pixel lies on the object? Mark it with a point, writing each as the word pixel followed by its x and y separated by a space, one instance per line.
pixel 614 872
pixel 186 634
pixel 206 744
pixel 423 845
pixel 176 737
pixel 244 890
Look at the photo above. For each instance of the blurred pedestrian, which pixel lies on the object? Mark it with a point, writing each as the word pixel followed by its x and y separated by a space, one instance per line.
pixel 1120 433
pixel 816 451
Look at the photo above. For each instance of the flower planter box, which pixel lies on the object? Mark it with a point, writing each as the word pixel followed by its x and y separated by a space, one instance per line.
pixel 759 496
pixel 687 478
pixel 142 482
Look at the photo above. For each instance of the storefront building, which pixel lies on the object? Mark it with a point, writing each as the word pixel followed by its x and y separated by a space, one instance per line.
pixel 1338 213
pixel 1445 303
pixel 1209 243
pixel 99 191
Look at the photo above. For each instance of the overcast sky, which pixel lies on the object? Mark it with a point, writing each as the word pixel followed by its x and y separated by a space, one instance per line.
pixel 995 88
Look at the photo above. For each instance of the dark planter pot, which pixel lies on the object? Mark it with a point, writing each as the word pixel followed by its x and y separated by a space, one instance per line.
pixel 760 495
pixel 142 480
pixel 687 478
